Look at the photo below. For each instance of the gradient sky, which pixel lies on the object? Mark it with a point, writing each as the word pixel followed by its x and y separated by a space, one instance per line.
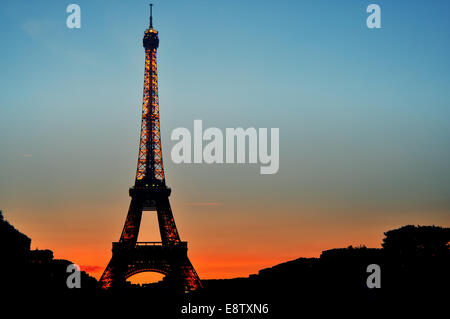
pixel 364 118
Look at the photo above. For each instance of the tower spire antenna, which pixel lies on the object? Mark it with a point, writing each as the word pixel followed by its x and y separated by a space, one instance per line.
pixel 151 15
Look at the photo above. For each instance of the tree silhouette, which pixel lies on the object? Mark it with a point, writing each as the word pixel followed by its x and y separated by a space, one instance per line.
pixel 417 241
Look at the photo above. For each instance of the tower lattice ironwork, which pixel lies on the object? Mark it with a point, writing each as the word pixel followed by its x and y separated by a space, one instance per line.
pixel 168 257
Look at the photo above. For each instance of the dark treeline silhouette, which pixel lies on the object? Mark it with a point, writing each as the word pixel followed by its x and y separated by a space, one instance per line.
pixel 414 263
pixel 23 269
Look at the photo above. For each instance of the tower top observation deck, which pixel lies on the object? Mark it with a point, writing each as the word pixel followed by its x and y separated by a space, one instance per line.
pixel 151 40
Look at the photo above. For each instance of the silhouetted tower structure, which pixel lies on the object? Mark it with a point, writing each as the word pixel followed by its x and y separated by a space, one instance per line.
pixel 150 193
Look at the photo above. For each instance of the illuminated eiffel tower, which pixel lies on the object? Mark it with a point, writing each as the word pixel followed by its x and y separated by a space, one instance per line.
pixel 150 193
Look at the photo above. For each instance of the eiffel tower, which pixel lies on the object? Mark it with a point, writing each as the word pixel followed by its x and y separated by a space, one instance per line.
pixel 150 193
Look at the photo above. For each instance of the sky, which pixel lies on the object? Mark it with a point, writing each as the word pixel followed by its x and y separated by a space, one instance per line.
pixel 363 115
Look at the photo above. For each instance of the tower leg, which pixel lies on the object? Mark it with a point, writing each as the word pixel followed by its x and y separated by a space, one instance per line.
pixel 113 276
pixel 130 230
pixel 167 227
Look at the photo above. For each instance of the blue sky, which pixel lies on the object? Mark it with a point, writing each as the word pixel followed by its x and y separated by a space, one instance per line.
pixel 363 115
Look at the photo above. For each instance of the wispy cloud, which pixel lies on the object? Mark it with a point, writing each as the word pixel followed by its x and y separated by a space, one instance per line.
pixel 34 28
pixel 204 204
pixel 89 268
